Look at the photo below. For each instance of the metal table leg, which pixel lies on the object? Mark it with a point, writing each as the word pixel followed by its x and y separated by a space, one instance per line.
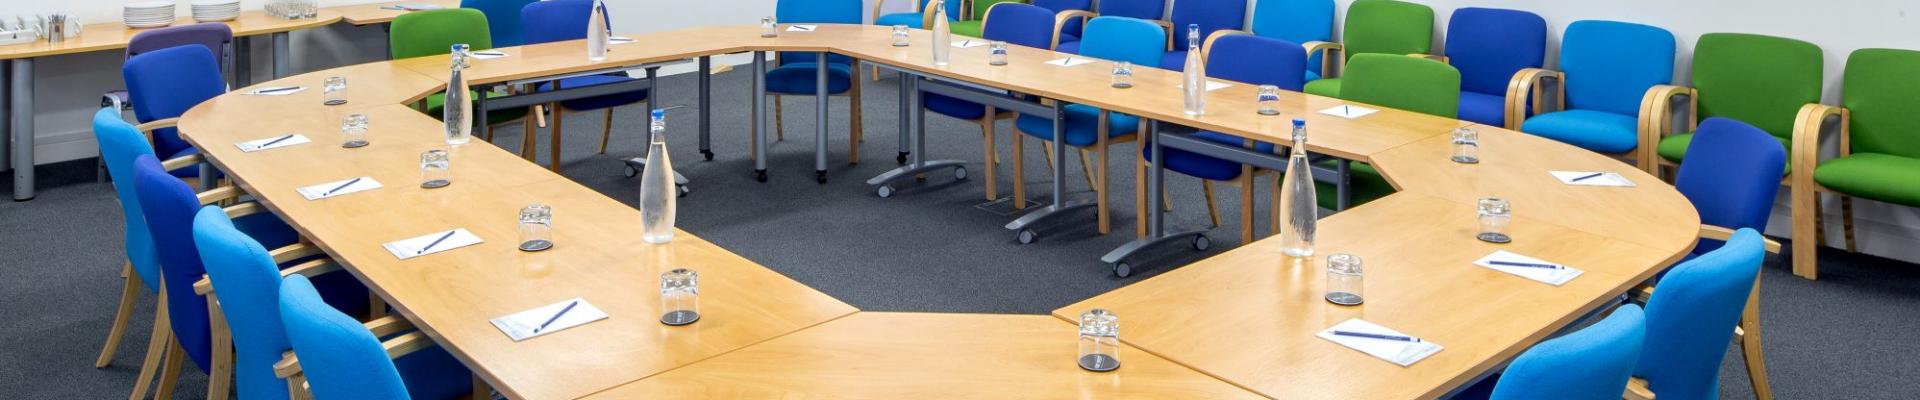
pixel 1024 225
pixel 480 115
pixel 653 89
pixel 916 117
pixel 1156 217
pixel 387 30
pixel 905 124
pixel 282 60
pixel 820 117
pixel 706 107
pixel 1343 184
pixel 20 116
pixel 242 61
pixel 760 116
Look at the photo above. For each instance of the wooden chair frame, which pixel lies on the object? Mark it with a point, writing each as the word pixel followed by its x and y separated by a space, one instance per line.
pixel 1746 334
pixel 399 346
pixel 1534 84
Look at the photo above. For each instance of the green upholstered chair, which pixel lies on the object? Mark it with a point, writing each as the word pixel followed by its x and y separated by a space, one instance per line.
pixel 1879 154
pixel 1373 26
pixel 973 23
pixel 1393 81
pixel 433 33
pixel 1760 80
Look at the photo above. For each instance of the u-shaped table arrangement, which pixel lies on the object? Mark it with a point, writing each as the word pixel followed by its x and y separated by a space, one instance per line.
pixel 1238 324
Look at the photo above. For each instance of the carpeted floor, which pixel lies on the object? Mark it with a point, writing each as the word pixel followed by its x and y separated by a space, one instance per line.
pixel 931 247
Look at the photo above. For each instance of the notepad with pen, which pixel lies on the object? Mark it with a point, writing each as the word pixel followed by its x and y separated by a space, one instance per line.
pixel 1528 267
pixel 435 242
pixel 1384 343
pixel 548 319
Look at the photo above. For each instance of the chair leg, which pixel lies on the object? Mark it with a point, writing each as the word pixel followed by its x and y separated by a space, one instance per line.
pixel 1750 345
pixel 130 288
pixel 855 135
pixel 986 144
pixel 1273 217
pixel 606 129
pixel 480 390
pixel 1086 166
pixel 876 73
pixel 1100 181
pixel 1246 204
pixel 1206 191
pixel 528 132
pixel 156 348
pixel 1806 230
pixel 1846 222
pixel 170 371
pixel 1019 171
pixel 220 374
pixel 553 139
pixel 1140 196
pixel 1046 146
pixel 1820 232
pixel 779 131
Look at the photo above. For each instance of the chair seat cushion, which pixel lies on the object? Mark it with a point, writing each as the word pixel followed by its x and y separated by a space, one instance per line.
pixel 597 102
pixel 1069 37
pixel 1674 148
pixel 431 373
pixel 1366 183
pixel 1069 47
pixel 1482 108
pixel 798 78
pixel 1329 87
pixel 910 19
pixel 437 107
pixel 1881 177
pixel 953 107
pixel 1082 125
pixel 1174 61
pixel 967 28
pixel 1205 167
pixel 1598 131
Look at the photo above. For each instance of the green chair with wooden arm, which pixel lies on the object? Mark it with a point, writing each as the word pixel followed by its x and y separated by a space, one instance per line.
pixel 972 24
pixel 1879 147
pixel 1756 79
pixel 1373 26
pixel 433 33
pixel 1412 84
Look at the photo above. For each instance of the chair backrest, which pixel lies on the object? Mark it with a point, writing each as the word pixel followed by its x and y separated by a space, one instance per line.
pixel 555 20
pixel 1019 24
pixel 1124 39
pixel 1691 316
pixel 1297 21
pixel 822 12
pixel 214 35
pixel 1610 65
pixel 980 7
pixel 169 206
pixel 1408 83
pixel 1389 27
pixel 1735 178
pixel 1140 9
pixel 248 284
pixel 1072 26
pixel 1879 92
pixel 503 19
pixel 1760 80
pixel 340 358
pixel 1489 45
pixel 1210 15
pixel 119 144
pixel 166 83
pixel 434 32
pixel 1257 60
pixel 1592 363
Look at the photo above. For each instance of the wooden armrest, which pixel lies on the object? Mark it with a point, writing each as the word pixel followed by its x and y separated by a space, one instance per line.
pixel 289 364
pixel 388 325
pixel 1060 23
pixel 203 286
pixel 1657 117
pixel 219 194
pixel 1723 234
pixel 182 162
pixel 878 4
pixel 1330 63
pixel 1640 294
pixel 1531 84
pixel 158 124
pixel 1206 47
pixel 1814 122
pixel 311 268
pixel 403 345
pixel 1442 59
pixel 244 209
pixel 294 252
pixel 1637 390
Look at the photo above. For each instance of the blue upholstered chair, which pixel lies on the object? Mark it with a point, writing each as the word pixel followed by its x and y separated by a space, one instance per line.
pixel 120 143
pixel 1298 21
pixel 559 20
pixel 916 19
pixel 1149 10
pixel 1688 319
pixel 340 358
pixel 1132 40
pixel 1211 15
pixel 1251 60
pixel 164 84
pixel 504 20
pixel 1070 17
pixel 1592 363
pixel 1606 68
pixel 1490 45
pixel 1019 25
pixel 793 72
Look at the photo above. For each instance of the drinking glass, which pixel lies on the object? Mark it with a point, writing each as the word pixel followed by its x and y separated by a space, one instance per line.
pixel 1494 216
pixel 536 227
pixel 1466 146
pixel 1345 284
pixel 767 28
pixel 354 129
pixel 900 36
pixel 1269 99
pixel 997 53
pixel 336 90
pixel 436 169
pixel 1099 340
pixel 679 297
pixel 1122 75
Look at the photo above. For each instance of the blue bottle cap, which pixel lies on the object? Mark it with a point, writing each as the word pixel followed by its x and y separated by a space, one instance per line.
pixel 659 113
pixel 1297 122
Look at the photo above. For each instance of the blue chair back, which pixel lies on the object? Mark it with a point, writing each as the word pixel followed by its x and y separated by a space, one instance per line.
pixel 214 36
pixel 1734 181
pixel 1124 39
pixel 824 12
pixel 1139 9
pixel 1489 45
pixel 248 283
pixel 120 143
pixel 1257 60
pixel 341 359
pixel 1297 21
pixel 1610 65
pixel 1073 26
pixel 1210 15
pixel 503 19
pixel 166 83
pixel 1691 316
pixel 555 20
pixel 169 206
pixel 1019 24
pixel 1592 363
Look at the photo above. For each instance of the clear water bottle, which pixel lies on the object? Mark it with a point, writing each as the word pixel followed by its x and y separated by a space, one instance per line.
pixel 657 192
pixel 457 111
pixel 1297 200
pixel 942 35
pixel 597 33
pixel 1196 74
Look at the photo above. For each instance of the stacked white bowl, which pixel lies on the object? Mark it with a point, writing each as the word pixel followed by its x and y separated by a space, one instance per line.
pixel 215 10
pixel 148 14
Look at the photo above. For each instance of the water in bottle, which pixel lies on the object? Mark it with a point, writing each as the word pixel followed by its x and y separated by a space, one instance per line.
pixel 942 35
pixel 657 191
pixel 1195 84
pixel 597 34
pixel 1297 199
pixel 458 109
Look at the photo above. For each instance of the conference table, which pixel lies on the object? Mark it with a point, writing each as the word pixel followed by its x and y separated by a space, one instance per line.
pixel 1236 324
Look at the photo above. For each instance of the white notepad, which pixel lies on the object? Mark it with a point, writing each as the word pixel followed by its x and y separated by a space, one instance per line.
pixel 487 54
pixel 1070 61
pixel 418 245
pixel 620 40
pixel 1550 276
pixel 416 7
pixel 1212 85
pixel 1394 351
pixel 802 28
pixel 1349 111
pixel 262 144
pixel 276 91
pixel 969 43
pixel 334 189
pixel 1607 179
pixel 526 324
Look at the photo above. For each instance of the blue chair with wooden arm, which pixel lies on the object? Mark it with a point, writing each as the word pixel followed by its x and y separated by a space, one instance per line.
pixel 1019 25
pixel 163 84
pixel 504 20
pixel 1595 101
pixel 1687 320
pixel 120 144
pixel 340 358
pixel 1489 46
pixel 1210 15
pixel 1110 38
pixel 793 72
pixel 1147 10
pixel 1592 363
pixel 1070 18
pixel 1298 21
pixel 561 20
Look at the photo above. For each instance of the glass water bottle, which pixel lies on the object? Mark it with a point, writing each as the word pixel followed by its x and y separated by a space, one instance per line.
pixel 657 192
pixel 942 36
pixel 1196 74
pixel 1297 198
pixel 597 34
pixel 457 111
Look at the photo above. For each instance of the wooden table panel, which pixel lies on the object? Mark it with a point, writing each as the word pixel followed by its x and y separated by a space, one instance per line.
pixel 114 35
pixel 373 13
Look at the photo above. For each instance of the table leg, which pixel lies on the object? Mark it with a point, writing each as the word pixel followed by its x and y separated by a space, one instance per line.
pixel 387 30
pixel 1023 226
pixel 242 61
pixel 1156 213
pixel 820 117
pixel 282 60
pixel 20 116
pixel 905 120
pixel 914 119
pixel 706 107
pixel 759 71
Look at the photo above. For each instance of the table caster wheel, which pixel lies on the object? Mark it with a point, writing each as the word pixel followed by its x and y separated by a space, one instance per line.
pixel 820 177
pixel 1122 269
pixel 708 154
pixel 760 175
pixel 902 158
pixel 631 172
pixel 959 173
pixel 884 191
pixel 1027 236
pixel 684 190
pixel 1201 243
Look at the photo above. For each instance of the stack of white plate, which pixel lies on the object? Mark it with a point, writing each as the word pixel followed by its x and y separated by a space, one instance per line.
pixel 148 14
pixel 215 10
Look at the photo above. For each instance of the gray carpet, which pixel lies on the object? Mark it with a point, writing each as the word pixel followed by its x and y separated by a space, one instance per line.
pixel 929 248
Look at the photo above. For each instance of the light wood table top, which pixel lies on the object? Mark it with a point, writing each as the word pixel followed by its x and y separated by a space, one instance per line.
pixel 114 35
pixel 873 355
pixel 373 13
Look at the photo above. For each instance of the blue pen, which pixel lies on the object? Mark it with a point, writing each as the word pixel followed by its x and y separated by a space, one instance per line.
pixel 262 146
pixel 342 186
pixel 1377 336
pixel 423 250
pixel 1528 265
pixel 1596 174
pixel 556 316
